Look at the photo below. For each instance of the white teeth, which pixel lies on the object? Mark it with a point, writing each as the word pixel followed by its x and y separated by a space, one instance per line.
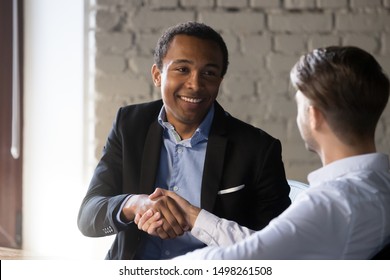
pixel 191 100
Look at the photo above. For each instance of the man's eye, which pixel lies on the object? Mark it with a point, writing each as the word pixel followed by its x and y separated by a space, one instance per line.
pixel 182 69
pixel 209 73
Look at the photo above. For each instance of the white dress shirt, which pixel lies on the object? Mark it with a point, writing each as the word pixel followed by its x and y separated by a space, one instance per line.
pixel 345 214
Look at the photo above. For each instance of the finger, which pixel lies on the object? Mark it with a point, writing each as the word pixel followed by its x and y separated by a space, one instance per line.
pixel 161 233
pixel 157 193
pixel 169 229
pixel 184 204
pixel 175 218
pixel 170 225
pixel 179 215
pixel 147 221
pixel 143 218
pixel 153 226
pixel 137 218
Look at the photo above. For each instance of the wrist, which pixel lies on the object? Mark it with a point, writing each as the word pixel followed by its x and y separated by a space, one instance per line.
pixel 193 215
pixel 130 208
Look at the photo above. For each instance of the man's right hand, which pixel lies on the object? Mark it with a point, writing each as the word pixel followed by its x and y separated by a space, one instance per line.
pixel 171 219
pixel 150 221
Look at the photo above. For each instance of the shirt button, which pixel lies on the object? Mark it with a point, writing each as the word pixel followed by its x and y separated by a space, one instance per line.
pixel 179 150
pixel 175 188
pixel 167 253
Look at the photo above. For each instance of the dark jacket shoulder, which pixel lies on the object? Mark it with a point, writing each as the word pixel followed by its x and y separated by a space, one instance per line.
pixel 239 129
pixel 144 111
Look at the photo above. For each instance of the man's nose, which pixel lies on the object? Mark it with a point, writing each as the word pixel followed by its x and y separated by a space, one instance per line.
pixel 194 81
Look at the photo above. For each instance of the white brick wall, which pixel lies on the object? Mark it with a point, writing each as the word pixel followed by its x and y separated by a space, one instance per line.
pixel 265 38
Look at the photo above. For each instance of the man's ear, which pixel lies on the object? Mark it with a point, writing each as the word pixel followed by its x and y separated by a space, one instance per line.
pixel 317 118
pixel 156 75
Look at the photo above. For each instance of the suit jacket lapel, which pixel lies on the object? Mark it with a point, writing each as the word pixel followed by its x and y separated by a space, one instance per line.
pixel 214 161
pixel 151 158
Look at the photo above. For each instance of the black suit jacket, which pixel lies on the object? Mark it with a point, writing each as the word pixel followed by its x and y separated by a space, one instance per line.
pixel 237 154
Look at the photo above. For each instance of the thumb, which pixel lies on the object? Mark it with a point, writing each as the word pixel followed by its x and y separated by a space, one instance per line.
pixel 157 193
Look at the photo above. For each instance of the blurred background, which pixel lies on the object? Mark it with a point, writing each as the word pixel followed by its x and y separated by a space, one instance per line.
pixel 79 61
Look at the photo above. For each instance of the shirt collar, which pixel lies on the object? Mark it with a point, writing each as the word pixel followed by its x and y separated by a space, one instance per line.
pixel 374 161
pixel 200 134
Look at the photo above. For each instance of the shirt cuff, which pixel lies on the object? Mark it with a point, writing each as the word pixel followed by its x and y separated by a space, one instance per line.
pixel 204 227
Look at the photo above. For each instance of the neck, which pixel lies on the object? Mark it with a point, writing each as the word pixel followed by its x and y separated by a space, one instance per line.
pixel 333 152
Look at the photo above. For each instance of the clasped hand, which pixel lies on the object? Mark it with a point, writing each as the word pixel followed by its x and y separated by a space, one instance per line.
pixel 165 214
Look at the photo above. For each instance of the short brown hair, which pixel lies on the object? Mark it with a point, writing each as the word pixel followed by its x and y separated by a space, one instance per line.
pixel 347 84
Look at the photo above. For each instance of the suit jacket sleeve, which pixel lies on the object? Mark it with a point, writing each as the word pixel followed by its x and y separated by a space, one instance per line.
pixel 97 214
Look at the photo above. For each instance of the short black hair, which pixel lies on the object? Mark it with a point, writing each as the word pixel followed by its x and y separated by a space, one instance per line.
pixel 191 28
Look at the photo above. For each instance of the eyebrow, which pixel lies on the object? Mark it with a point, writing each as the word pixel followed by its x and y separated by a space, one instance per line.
pixel 178 61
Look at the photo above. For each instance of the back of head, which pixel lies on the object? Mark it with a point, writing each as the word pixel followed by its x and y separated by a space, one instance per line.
pixel 191 28
pixel 349 87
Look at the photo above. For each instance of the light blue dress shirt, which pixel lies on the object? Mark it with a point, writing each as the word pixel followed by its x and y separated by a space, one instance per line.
pixel 180 170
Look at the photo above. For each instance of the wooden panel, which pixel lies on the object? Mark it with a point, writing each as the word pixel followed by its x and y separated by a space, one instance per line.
pixel 10 168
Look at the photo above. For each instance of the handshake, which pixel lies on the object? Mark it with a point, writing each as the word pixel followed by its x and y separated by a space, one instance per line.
pixel 163 213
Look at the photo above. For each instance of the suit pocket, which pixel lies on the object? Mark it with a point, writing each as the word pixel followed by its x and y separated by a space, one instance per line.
pixel 231 190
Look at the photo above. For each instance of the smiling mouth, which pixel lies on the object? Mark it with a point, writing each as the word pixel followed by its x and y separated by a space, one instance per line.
pixel 191 100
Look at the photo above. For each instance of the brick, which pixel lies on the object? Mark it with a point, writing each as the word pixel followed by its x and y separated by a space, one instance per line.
pixel 275 85
pixel 161 19
pixel 321 41
pixel 386 44
pixel 232 44
pixel 141 65
pixel 265 3
pixel 333 4
pixel 300 22
pixel 232 3
pixel 146 43
pixel 280 107
pixel 241 87
pixel 299 4
pixel 367 42
pixel 122 86
pixel 275 128
pixel 105 110
pixel 281 64
pixel 363 22
pixel 105 2
pixel 254 67
pixel 239 23
pixel 197 3
pixel 256 45
pixel 290 44
pixel 106 20
pixel 158 4
pixel 384 61
pixel 112 64
pixel 131 5
pixel 113 42
pixel 245 110
pixel 365 3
